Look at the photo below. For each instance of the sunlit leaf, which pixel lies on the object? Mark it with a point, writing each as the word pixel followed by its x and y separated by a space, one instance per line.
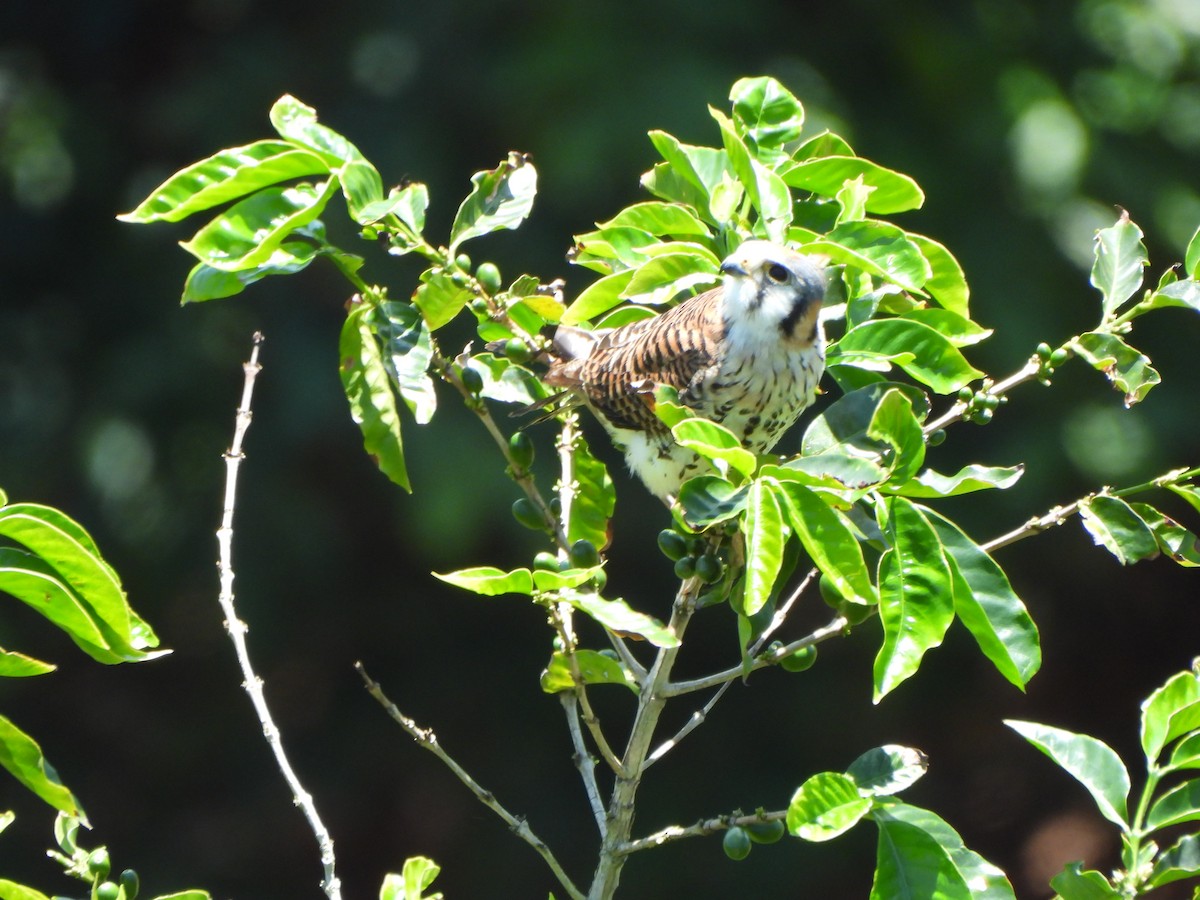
pixel 10 890
pixel 439 298
pixel 691 175
pixel 1173 539
pixel 1076 883
pixel 957 329
pixel 931 358
pixel 547 580
pixel 1181 860
pixel 708 499
pixel 594 668
pixel 888 769
pixel 506 382
pixel 206 283
pixel 1170 712
pixel 768 194
pixel 826 805
pixel 1120 261
pixel 1186 754
pixel 1113 524
pixel 594 501
pixel 31 579
pixel 1128 369
pixel 947 285
pixel 894 192
pixel 490 581
pixel 762 525
pixel 501 198
pixel 1184 293
pixel 407 351
pixel 1180 804
pixel 22 757
pixel 618 616
pixel 715 442
pixel 828 541
pixel 20 665
pixel 655 217
pixel 966 480
pixel 767 115
pixel 408 204
pixel 664 277
pixel 877 248
pixel 1091 762
pixel 598 297
pixel 368 389
pixel 919 857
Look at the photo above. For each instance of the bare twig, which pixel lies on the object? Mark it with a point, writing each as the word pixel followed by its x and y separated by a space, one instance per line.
pixel 701 828
pixel 427 739
pixel 237 631
pixel 584 761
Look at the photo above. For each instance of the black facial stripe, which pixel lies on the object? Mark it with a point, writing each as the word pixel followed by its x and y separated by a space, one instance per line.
pixel 788 323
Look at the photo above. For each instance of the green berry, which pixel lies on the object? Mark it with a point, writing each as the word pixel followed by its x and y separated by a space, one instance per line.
pixel 546 561
pixel 1043 351
pixel 517 350
pixel 766 832
pixel 462 262
pixel 108 890
pixel 982 416
pixel 1058 357
pixel 98 863
pixel 800 660
pixel 685 568
pixel 710 568
pixel 460 279
pixel 599 580
pixel 471 380
pixel 936 437
pixel 131 883
pixel 520 451
pixel 583 554
pixel 989 401
pixel 528 515
pixel 488 276
pixel 672 544
pixel 965 394
pixel 736 843
pixel 479 306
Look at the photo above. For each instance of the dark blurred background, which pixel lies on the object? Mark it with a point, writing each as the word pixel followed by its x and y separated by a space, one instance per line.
pixel 1026 123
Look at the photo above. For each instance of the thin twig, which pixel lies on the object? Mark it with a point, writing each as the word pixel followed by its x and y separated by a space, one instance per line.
pixel 701 828
pixel 584 761
pixel 237 630
pixel 427 739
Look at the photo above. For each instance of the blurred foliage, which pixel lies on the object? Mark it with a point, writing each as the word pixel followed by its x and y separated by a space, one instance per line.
pixel 1025 124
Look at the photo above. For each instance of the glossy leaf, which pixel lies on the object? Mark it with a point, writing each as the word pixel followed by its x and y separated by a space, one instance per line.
pixel 916 600
pixel 594 501
pixel 767 115
pixel 888 769
pixel 490 581
pixel 10 890
pixel 1170 712
pixel 923 353
pixel 708 499
pixel 501 198
pixel 986 604
pixel 894 423
pixel 31 579
pixel 1074 883
pixel 1120 261
pixel 655 217
pixel 297 122
pixel 439 298
pixel 957 329
pixel 1179 861
pixel 407 352
pixel 696 176
pixel 966 480
pixel 1128 369
pixel 1186 754
pixel 762 526
pixel 618 616
pixel 206 283
pixel 919 856
pixel 826 805
pixel 22 757
pixel 418 873
pixel 1184 293
pixel 225 176
pixel 1173 539
pixel 663 278
pixel 876 248
pixel 598 297
pixel 594 667
pixel 1113 524
pixel 1089 761
pixel 828 541
pixel 894 192
pixel 545 580
pixel 717 443
pixel 768 194
pixel 368 389
pixel 504 381
pixel 249 233
pixel 1178 805
pixel 20 665
pixel 408 204
pixel 947 284
pixel 825 143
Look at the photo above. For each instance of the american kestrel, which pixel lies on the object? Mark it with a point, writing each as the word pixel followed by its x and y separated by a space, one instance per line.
pixel 747 354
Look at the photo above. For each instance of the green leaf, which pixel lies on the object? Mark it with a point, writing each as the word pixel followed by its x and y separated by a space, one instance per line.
pixel 1120 259
pixel 1113 524
pixel 408 204
pixel 1180 804
pixel 501 198
pixel 767 115
pixel 1181 860
pixel 923 353
pixel 826 143
pixel 919 856
pixel 594 667
pixel 1173 539
pixel 1191 258
pixel 894 192
pixel 916 599
pixel 947 285
pixel 490 581
pixel 206 283
pixel 655 217
pixel 545 580
pixel 22 757
pixel 419 873
pixel 10 890
pixel 959 330
pixel 716 443
pixel 297 122
pixel 829 542
pixel 1128 369
pixel 407 351
pixel 439 298
pixel 1073 883
pixel 1184 293
pixel 594 501
pixel 876 248
pixel 18 665
pixel 33 580
pixel 768 194
pixel 895 424
pixel 888 769
pixel 762 525
pixel 225 176
pixel 826 805
pixel 966 480
pixel 618 616
pixel 372 402
pixel 506 382
pixel 1186 754
pixel 250 233
pixel 663 278
pixel 708 499
pixel 986 604
pixel 189 895
pixel 1089 761
pixel 700 177
pixel 1170 712
pixel 598 297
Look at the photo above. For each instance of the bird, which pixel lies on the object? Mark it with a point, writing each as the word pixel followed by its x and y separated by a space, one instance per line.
pixel 747 354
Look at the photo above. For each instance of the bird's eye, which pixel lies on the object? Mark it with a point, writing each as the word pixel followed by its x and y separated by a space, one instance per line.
pixel 777 273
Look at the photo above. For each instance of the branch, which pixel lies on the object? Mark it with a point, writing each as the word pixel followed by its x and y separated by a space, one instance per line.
pixel 237 631
pixel 584 762
pixel 701 828
pixel 427 739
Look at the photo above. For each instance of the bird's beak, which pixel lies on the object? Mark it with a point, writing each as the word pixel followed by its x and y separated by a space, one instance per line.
pixel 730 267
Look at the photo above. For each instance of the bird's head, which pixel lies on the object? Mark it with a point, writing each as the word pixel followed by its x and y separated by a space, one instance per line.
pixel 773 292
